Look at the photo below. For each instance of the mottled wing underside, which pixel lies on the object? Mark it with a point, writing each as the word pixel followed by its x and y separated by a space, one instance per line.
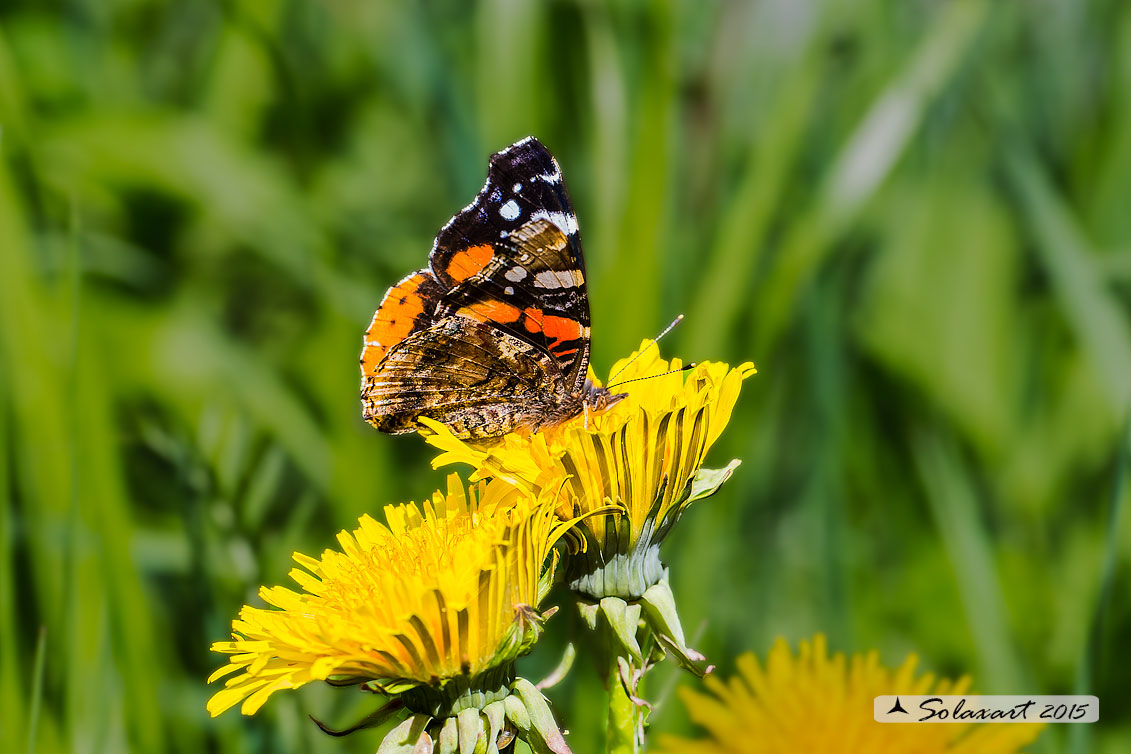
pixel 465 374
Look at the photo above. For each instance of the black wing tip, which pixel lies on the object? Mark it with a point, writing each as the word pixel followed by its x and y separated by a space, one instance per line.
pixel 527 142
pixel 525 150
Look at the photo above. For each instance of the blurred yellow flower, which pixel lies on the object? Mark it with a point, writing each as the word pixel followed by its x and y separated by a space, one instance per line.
pixel 642 455
pixel 445 594
pixel 812 702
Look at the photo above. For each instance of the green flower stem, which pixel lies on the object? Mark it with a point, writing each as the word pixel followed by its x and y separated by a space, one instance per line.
pixel 623 713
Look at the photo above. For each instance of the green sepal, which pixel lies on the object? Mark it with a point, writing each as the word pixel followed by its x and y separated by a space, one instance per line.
pixel 624 619
pixel 449 737
pixel 589 611
pixel 495 713
pixel 707 481
pixel 562 670
pixel 406 736
pixel 659 601
pixel 471 732
pixel 662 616
pixel 543 734
pixel 518 716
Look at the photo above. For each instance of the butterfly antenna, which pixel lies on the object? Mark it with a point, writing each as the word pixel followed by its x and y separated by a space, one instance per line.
pixel 651 343
pixel 683 368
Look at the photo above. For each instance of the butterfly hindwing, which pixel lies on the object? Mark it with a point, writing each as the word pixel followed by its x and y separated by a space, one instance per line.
pixel 465 374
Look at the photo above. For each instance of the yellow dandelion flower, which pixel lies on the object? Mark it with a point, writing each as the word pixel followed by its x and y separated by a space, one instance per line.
pixel 641 460
pixel 814 702
pixel 434 605
pixel 642 455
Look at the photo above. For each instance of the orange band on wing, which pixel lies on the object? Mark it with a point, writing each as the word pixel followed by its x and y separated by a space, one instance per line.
pixel 393 321
pixel 493 311
pixel 468 262
pixel 560 330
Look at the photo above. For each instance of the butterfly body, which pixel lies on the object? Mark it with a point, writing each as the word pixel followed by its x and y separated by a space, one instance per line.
pixel 493 336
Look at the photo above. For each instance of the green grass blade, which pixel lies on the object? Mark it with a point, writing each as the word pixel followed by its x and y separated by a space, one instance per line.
pixel 1096 316
pixel 868 156
pixel 735 256
pixel 954 507
pixel 36 696
pixel 12 696
pixel 1080 736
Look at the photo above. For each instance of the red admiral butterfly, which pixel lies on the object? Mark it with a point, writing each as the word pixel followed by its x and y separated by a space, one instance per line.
pixel 494 335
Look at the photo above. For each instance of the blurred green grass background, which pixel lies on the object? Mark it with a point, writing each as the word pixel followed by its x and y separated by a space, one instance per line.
pixel 913 216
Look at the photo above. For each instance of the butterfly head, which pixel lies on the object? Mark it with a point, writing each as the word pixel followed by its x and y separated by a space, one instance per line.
pixel 595 398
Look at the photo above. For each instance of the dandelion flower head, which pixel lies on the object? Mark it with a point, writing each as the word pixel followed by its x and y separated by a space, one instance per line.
pixel 442 591
pixel 814 702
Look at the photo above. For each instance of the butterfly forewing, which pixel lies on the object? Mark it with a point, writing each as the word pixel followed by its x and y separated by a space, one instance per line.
pixel 495 335
pixel 524 183
pixel 532 289
pixel 409 307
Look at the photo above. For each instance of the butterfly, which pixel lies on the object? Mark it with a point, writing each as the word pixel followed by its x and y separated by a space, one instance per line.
pixel 493 336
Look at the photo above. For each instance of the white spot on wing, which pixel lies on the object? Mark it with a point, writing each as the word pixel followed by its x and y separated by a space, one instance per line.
pixel 515 274
pixel 554 279
pixel 517 187
pixel 554 177
pixel 566 221
pixel 510 210
pixel 509 291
